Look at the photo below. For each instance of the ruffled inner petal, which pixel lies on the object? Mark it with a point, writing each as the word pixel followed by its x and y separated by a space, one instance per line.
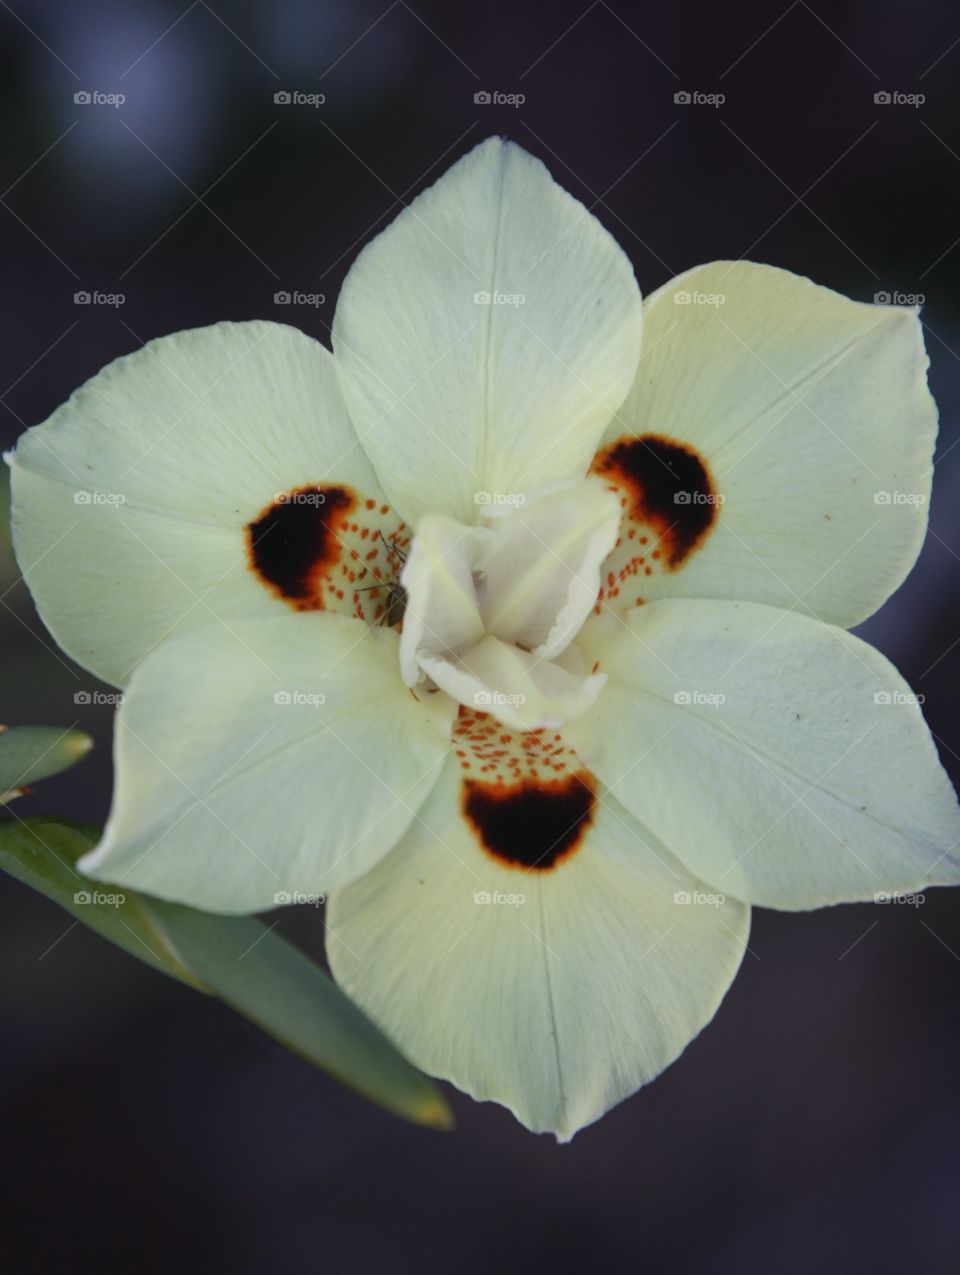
pixel 442 615
pixel 542 577
pixel 518 687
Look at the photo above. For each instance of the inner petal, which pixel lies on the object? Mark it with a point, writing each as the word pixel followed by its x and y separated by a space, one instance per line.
pixel 442 613
pixel 525 796
pixel 523 690
pixel 670 506
pixel 542 576
pixel 324 547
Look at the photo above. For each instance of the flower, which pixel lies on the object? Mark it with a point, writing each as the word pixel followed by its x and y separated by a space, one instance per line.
pixel 525 646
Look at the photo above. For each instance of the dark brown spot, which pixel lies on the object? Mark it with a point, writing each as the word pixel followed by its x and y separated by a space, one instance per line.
pixel 669 487
pixel 296 540
pixel 533 825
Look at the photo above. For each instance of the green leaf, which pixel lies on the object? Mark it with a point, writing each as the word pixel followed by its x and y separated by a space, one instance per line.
pixel 42 852
pixel 29 753
pixel 237 959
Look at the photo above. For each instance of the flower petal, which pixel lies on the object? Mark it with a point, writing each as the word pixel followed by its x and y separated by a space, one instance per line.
pixel 554 992
pixel 542 576
pixel 776 446
pixel 781 759
pixel 486 337
pixel 283 758
pixel 211 475
pixel 442 614
pixel 523 690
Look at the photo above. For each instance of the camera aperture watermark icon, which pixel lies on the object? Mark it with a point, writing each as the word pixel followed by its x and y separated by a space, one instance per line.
pixel 294 97
pixel 93 97
pixel 114 498
pixel 493 97
pixel 893 97
pixel 314 299
pixel 699 898
pixel 113 299
pixel 284 898
pixel 693 97
pixel 496 898
pixel 904 899
pixel 712 699
pixel 99 898
pixel 308 699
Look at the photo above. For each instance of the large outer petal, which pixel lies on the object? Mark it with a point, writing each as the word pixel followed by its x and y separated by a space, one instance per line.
pixel 453 398
pixel 285 757
pixel 782 760
pixel 558 1006
pixel 195 433
pixel 813 415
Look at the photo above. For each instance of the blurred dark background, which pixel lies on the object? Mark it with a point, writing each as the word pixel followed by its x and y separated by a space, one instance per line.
pixel 816 1122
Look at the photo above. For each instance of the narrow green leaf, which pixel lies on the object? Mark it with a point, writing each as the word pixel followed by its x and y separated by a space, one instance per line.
pixel 29 753
pixel 237 959
pixel 42 852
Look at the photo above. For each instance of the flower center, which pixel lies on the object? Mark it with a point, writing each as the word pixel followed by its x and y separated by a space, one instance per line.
pixel 493 609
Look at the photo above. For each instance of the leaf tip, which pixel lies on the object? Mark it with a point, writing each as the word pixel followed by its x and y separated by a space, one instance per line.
pixel 78 743
pixel 434 1112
